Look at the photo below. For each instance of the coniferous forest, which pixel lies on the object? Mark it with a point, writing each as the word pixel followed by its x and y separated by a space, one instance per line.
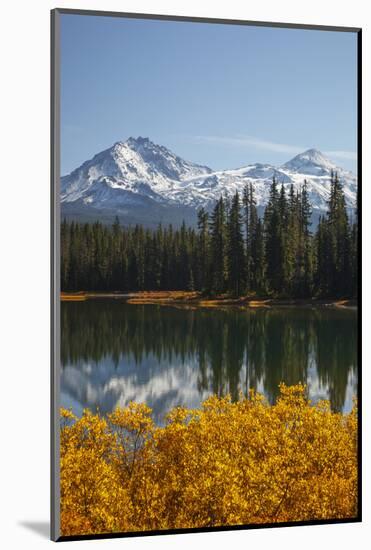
pixel 232 250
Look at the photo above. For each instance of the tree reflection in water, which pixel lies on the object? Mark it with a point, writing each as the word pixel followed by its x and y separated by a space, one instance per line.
pixel 113 352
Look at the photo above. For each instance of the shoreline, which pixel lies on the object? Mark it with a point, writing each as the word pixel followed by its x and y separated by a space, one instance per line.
pixel 189 298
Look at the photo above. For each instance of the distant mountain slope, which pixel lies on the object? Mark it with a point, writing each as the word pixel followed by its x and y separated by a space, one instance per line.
pixel 142 182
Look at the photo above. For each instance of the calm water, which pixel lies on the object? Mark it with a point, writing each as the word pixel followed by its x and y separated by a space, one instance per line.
pixel 114 352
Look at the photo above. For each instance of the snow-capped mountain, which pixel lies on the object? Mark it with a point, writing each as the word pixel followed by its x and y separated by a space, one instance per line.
pixel 311 162
pixel 142 182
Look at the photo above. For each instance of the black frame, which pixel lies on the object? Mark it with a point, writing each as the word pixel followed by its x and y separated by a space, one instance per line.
pixel 55 251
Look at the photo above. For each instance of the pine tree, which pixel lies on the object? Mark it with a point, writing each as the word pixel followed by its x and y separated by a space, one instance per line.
pixel 218 240
pixel 247 223
pixel 203 247
pixel 292 240
pixel 260 284
pixel 282 275
pixel 338 229
pixel 305 284
pixel 235 249
pixel 255 259
pixel 273 241
pixel 354 256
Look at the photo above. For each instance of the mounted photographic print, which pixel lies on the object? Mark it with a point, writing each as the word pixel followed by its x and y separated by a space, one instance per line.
pixel 205 274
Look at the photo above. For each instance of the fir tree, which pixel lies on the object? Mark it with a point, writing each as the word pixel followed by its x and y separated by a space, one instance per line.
pixel 218 240
pixel 235 249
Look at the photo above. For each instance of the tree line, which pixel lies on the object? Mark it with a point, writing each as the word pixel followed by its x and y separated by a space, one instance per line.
pixel 232 250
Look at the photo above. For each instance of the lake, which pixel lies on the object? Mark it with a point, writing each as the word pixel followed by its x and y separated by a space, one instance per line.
pixel 113 352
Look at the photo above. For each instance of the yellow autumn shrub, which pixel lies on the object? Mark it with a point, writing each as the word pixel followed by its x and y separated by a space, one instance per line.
pixel 228 463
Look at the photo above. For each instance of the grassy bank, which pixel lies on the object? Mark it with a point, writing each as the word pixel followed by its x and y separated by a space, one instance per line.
pixel 181 297
pixel 226 464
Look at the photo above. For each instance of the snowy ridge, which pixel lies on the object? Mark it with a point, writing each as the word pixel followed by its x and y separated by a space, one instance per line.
pixel 138 171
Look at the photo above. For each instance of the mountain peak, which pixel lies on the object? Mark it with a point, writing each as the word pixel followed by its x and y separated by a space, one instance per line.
pixel 311 162
pixel 314 155
pixel 139 141
pixel 132 143
pixel 138 159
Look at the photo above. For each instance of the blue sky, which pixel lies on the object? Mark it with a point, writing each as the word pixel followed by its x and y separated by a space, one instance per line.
pixel 219 95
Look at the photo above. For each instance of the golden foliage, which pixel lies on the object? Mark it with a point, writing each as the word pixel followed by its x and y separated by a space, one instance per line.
pixel 225 464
